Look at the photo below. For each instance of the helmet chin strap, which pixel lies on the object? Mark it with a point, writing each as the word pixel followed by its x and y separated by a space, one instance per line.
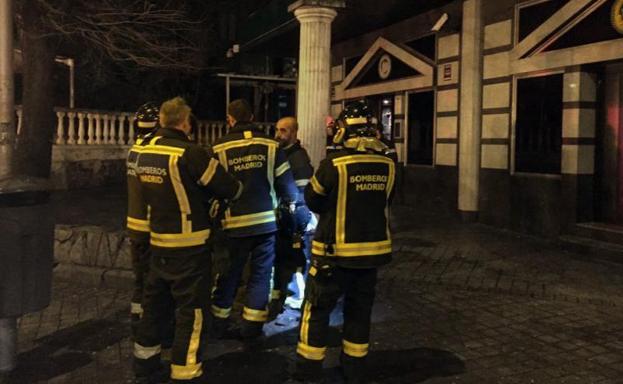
pixel 364 144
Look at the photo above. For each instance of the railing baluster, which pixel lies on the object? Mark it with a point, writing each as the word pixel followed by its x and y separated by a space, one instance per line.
pixel 60 130
pixel 91 129
pixel 71 133
pixel 131 138
pixel 81 116
pixel 121 129
pixel 98 128
pixel 106 129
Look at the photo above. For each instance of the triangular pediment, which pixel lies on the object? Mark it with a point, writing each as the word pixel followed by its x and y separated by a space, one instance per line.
pixel 577 23
pixel 385 61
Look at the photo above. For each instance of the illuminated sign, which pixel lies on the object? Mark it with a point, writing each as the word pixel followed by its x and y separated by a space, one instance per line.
pixel 617 16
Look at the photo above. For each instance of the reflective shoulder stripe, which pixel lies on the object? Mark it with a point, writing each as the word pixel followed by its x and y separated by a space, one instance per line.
pixel 302 182
pixel 154 140
pixel 282 169
pixel 244 143
pixel 317 187
pixel 144 353
pixel 361 159
pixel 161 150
pixel 139 225
pixel 209 172
pixel 354 349
pixel 179 240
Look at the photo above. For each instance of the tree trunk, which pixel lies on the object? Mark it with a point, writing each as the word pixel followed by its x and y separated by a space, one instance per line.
pixel 34 145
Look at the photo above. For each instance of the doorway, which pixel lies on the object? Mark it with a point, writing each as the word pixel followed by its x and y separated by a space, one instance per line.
pixel 610 146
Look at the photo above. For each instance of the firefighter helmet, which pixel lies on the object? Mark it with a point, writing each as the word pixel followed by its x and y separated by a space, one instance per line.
pixel 355 121
pixel 146 118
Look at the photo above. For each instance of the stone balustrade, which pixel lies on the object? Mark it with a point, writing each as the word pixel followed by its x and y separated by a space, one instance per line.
pixel 113 128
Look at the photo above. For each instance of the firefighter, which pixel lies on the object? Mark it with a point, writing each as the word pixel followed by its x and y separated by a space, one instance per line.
pixel 351 191
pixel 293 240
pixel 250 225
pixel 176 180
pixel 145 124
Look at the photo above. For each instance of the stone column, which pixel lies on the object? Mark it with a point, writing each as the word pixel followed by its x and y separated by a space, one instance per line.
pixel 470 109
pixel 314 73
pixel 7 112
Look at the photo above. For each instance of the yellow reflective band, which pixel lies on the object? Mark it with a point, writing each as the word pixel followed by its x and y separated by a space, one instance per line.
pixel 354 249
pixel 275 294
pixel 249 314
pixel 180 193
pixel 282 169
pixel 221 313
pixel 302 182
pixel 354 349
pixel 248 220
pixel 193 344
pixel 312 271
pixel 247 134
pixel 138 224
pixel 174 240
pixel 340 210
pixel 317 187
pixel 362 159
pixel 270 174
pixel 243 143
pixel 356 120
pixel 146 124
pixel 136 308
pixel 304 333
pixel 144 353
pixel 154 140
pixel 209 172
pixel 311 353
pixel 185 372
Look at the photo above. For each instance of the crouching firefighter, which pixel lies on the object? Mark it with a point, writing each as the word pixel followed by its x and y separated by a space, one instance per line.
pixel 145 124
pixel 176 180
pixel 351 191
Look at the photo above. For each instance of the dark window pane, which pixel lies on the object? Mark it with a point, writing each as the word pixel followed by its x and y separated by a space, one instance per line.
pixel 538 131
pixel 420 129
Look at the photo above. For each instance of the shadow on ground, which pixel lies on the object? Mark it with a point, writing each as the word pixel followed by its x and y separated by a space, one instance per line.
pixel 69 349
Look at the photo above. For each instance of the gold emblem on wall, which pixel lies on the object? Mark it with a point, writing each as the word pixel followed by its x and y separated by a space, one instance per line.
pixel 616 16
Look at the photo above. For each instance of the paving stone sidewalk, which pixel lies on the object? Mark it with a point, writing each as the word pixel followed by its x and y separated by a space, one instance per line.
pixel 461 303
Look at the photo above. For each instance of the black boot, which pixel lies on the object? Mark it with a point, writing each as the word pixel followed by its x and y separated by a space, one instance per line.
pixel 308 371
pixel 353 369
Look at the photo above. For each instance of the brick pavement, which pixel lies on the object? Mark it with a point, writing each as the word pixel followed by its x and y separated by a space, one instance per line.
pixel 460 304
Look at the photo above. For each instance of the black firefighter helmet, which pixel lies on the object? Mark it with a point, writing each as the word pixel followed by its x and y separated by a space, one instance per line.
pixel 357 129
pixel 146 118
pixel 355 121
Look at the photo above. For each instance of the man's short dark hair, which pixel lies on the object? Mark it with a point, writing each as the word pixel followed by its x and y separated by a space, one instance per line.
pixel 240 110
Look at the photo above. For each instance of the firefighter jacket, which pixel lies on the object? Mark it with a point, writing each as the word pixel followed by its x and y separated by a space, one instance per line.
pixel 351 191
pixel 302 171
pixel 256 160
pixel 170 181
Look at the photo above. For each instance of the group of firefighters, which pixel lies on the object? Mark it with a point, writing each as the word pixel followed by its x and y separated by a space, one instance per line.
pixel 257 197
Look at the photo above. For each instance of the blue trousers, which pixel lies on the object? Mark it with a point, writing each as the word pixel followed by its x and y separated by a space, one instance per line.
pixel 261 250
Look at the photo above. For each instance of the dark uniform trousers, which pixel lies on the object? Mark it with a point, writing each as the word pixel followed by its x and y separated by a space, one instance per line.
pixel 185 279
pixel 140 265
pixel 289 259
pixel 261 250
pixel 325 284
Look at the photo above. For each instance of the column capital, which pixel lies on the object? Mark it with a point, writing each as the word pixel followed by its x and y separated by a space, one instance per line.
pixel 316 4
